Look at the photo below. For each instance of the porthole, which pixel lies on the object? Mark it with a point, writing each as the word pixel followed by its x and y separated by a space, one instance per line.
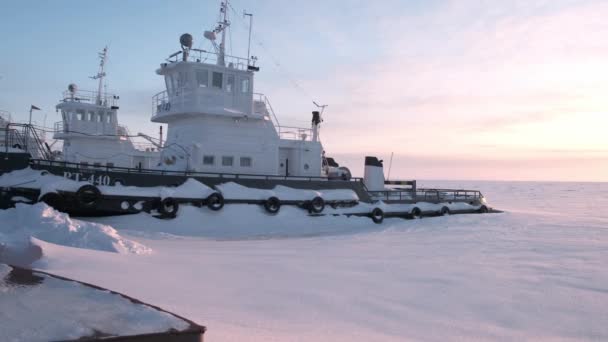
pixel 306 167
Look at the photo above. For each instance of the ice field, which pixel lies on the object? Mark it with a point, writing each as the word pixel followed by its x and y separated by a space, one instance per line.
pixel 537 271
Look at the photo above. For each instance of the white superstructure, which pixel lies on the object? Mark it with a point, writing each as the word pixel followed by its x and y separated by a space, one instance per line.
pixel 216 123
pixel 90 131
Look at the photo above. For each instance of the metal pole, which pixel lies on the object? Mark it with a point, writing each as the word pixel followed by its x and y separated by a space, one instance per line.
pixel 250 27
pixel 31 109
pixel 390 165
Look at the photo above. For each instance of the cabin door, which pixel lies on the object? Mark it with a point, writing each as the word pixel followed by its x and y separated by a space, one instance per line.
pixel 283 162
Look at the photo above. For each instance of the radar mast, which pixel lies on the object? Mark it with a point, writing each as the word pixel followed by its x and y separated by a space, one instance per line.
pixel 103 56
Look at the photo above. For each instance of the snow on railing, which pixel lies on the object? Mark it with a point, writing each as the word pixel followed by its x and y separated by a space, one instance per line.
pixel 93 97
pixel 209 57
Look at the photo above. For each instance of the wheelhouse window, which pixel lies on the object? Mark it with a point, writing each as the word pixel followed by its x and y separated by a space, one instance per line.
pixel 183 79
pixel 246 162
pixel 169 83
pixel 245 86
pixel 230 83
pixel 202 78
pixel 208 160
pixel 217 80
pixel 227 160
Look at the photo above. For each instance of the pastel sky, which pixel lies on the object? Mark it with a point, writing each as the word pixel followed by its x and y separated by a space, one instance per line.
pixel 457 89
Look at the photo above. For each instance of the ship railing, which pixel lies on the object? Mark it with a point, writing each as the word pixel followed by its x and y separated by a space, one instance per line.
pixel 209 57
pixel 295 133
pixel 92 97
pixel 77 166
pixel 427 195
pixel 28 139
pixel 145 147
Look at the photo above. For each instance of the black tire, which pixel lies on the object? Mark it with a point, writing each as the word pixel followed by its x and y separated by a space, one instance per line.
pixel 483 210
pixel 168 207
pixel 317 205
pixel 377 215
pixel 17 146
pixel 88 196
pixel 445 211
pixel 53 200
pixel 416 213
pixel 215 201
pixel 272 205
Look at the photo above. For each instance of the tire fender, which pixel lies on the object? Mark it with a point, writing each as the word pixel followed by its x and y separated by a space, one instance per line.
pixel 88 196
pixel 317 205
pixel 215 201
pixel 168 207
pixel 272 205
pixel 377 215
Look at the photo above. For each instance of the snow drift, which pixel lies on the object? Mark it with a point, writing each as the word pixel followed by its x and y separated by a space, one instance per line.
pixel 19 225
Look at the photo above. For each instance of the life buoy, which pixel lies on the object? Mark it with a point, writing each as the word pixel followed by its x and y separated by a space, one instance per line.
pixel 53 200
pixel 17 146
pixel 215 201
pixel 88 196
pixel 317 205
pixel 377 215
pixel 445 211
pixel 416 212
pixel 272 205
pixel 168 207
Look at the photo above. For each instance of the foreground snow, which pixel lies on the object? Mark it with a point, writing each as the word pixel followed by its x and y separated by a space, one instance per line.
pixel 24 222
pixel 535 272
pixel 56 310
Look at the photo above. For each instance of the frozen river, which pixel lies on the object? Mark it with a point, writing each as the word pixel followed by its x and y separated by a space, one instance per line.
pixel 537 271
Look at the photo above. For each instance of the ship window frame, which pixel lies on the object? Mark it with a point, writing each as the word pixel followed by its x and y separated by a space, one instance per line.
pixel 208 160
pixel 216 77
pixel 169 83
pixel 230 83
pixel 248 164
pixel 245 85
pixel 228 158
pixel 202 75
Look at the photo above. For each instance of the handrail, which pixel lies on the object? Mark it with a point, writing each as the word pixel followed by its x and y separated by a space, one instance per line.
pixel 29 132
pixel 427 194
pixel 184 173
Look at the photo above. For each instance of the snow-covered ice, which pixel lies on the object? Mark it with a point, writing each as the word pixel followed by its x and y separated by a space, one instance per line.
pixel 56 309
pixel 536 272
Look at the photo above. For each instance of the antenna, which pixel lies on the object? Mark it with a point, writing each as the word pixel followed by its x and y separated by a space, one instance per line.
pixel 245 14
pixel 103 56
pixel 390 165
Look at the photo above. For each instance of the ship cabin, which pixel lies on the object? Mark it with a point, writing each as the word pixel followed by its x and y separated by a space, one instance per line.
pixel 217 124
pixel 92 136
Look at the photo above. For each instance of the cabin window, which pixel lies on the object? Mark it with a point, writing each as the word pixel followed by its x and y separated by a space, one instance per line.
pixel 80 115
pixel 109 164
pixel 174 82
pixel 245 161
pixel 245 85
pixel 109 118
pixel 202 78
pixel 230 83
pixel 84 164
pixel 183 79
pixel 97 164
pixel 169 83
pixel 208 160
pixel 227 161
pixel 216 80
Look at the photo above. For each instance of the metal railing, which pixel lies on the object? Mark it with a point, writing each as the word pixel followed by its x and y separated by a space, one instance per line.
pixel 427 195
pixel 51 163
pixel 27 139
pixel 209 57
pixel 88 96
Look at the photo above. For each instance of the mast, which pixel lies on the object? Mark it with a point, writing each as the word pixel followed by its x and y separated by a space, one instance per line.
pixel 103 56
pixel 223 26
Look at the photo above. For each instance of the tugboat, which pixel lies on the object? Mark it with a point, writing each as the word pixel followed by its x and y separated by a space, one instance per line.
pixel 224 145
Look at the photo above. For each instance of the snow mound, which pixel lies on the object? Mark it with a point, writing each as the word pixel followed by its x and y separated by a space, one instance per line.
pixel 40 221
